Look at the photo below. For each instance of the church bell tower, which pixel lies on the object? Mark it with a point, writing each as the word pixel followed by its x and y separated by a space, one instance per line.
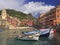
pixel 4 15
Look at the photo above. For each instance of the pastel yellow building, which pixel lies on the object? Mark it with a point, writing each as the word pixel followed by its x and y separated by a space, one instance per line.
pixel 4 14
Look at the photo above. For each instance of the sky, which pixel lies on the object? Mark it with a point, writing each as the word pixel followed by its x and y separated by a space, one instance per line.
pixel 35 7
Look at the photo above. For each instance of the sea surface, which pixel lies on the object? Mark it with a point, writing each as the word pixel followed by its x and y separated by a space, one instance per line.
pixel 5 41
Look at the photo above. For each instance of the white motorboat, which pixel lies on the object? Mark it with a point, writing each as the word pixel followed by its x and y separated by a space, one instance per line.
pixel 29 37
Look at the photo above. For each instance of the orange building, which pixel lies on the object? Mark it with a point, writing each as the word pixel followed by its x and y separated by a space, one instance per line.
pixel 13 21
pixel 42 18
pixel 52 17
pixel 27 23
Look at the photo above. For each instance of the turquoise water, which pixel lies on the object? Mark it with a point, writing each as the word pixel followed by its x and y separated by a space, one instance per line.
pixel 5 41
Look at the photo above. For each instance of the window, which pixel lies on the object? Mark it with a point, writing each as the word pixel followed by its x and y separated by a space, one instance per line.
pixel 58 11
pixel 57 15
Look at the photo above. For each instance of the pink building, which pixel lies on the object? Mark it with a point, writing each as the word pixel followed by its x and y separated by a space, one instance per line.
pixel 26 23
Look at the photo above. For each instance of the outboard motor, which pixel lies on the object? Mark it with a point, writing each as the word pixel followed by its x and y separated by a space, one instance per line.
pixel 52 33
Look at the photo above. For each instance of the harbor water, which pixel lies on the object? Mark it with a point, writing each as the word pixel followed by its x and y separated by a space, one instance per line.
pixel 5 41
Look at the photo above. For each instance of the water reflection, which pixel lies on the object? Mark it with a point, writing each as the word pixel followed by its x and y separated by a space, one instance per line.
pixel 20 42
pixel 4 41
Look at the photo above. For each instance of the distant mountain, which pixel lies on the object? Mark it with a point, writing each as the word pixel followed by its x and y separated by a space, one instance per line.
pixel 18 14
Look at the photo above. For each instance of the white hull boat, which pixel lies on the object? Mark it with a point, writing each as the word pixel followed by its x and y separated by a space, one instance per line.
pixel 30 37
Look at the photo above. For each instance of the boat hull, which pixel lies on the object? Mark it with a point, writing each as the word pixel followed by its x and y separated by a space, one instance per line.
pixel 28 39
pixel 45 35
pixel 44 32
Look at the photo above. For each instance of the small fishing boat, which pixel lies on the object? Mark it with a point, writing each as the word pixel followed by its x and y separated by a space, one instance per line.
pixel 31 32
pixel 49 33
pixel 29 36
pixel 44 32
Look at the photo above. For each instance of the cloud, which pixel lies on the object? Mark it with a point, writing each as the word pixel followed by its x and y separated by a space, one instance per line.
pixel 35 7
pixel 11 4
pixel 31 7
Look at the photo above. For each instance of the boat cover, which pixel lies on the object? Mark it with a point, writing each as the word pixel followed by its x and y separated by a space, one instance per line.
pixel 32 32
pixel 44 31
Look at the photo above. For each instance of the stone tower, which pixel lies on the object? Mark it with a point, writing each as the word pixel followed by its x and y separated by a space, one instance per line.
pixel 4 14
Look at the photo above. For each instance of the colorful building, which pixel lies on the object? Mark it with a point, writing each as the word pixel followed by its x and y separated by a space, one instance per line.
pixel 13 21
pixel 42 18
pixel 9 19
pixel 27 22
pixel 52 17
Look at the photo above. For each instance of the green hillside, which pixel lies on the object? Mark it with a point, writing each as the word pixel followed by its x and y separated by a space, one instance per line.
pixel 18 14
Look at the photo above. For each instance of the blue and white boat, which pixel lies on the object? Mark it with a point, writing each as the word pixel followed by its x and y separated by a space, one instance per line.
pixel 44 32
pixel 29 36
pixel 36 34
pixel 32 32
pixel 1 30
pixel 49 33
